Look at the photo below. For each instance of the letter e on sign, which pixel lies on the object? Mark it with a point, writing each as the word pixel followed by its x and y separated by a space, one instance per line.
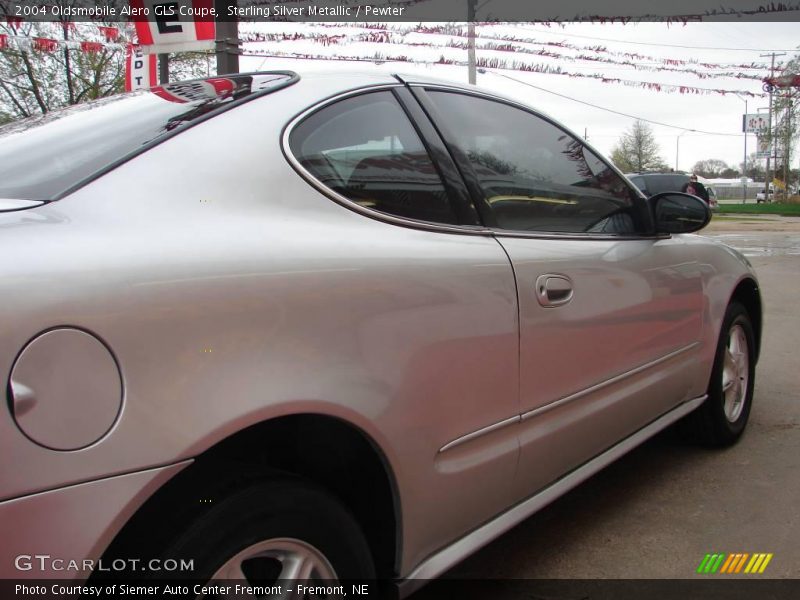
pixel 175 25
pixel 167 19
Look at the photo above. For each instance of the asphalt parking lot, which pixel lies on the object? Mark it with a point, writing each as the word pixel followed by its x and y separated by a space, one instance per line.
pixel 659 510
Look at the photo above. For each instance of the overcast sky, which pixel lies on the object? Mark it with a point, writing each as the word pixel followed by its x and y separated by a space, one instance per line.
pixel 726 44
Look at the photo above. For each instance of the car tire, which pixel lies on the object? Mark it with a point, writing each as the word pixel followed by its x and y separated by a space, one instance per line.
pixel 722 418
pixel 275 530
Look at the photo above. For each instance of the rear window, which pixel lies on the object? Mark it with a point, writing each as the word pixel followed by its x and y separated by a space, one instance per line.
pixel 657 184
pixel 43 157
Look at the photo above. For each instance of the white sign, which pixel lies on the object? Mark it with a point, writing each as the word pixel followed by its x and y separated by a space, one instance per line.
pixel 764 148
pixel 754 123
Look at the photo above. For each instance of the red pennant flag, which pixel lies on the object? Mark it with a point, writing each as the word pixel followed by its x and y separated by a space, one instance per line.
pixel 91 47
pixel 14 22
pixel 110 33
pixel 45 44
pixel 3 41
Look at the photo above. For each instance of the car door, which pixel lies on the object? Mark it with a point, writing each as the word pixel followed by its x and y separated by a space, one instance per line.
pixel 435 302
pixel 610 315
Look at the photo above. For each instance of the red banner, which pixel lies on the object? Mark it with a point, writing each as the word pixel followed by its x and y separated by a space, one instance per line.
pixel 14 22
pixel 110 33
pixel 92 47
pixel 191 91
pixel 45 44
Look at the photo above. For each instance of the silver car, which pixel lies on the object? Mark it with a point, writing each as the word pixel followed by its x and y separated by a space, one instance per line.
pixel 326 326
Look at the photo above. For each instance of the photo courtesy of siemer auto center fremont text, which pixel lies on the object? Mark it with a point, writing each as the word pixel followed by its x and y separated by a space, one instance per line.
pixel 399 299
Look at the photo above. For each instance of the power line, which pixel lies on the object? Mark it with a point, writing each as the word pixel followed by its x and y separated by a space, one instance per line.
pixel 588 37
pixel 491 72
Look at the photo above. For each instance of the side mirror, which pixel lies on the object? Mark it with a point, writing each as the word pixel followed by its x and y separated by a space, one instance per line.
pixel 676 212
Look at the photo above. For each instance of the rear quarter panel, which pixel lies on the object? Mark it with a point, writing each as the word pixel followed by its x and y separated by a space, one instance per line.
pixel 231 292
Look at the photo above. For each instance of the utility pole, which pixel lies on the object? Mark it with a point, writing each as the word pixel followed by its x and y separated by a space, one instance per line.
pixel 471 75
pixel 227 46
pixel 768 175
pixel 786 146
pixel 678 145
pixel 744 162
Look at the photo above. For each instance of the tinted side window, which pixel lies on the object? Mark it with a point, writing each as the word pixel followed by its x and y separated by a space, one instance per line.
pixel 535 176
pixel 366 149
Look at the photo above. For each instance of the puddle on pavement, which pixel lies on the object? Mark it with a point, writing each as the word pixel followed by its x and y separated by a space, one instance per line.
pixel 761 243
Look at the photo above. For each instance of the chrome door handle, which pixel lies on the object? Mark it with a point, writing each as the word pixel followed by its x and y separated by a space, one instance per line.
pixel 553 290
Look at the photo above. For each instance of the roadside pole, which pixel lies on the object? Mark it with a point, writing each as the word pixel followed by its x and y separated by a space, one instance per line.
pixel 163 69
pixel 227 45
pixel 744 164
pixel 471 75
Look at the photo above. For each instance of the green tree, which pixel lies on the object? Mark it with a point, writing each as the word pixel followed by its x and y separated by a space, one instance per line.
pixel 755 167
pixel 637 150
pixel 35 82
pixel 785 122
pixel 711 167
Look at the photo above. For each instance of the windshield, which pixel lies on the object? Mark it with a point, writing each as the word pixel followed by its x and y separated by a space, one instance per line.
pixel 43 157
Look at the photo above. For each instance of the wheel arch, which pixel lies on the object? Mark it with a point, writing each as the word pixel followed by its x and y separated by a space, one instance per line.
pixel 328 451
pixel 747 294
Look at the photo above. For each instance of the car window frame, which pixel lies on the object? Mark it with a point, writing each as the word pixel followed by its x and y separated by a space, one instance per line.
pixel 434 145
pixel 641 205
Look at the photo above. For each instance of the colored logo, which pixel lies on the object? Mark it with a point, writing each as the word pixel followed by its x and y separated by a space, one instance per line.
pixel 728 564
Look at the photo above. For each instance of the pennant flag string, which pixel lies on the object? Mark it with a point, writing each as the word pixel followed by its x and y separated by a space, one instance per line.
pixel 501 64
pixel 389 38
pixel 456 30
pixel 24 43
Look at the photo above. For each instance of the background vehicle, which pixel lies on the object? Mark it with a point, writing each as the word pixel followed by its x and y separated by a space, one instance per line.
pixel 656 183
pixel 713 203
pixel 762 195
pixel 337 326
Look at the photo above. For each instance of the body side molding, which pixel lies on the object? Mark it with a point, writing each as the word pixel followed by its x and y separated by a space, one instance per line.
pixel 460 549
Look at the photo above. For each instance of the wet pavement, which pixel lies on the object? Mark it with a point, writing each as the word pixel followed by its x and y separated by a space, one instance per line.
pixel 761 243
pixel 757 235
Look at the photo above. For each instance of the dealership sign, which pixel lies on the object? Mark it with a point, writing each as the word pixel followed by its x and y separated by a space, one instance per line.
pixel 174 25
pixel 754 123
pixel 140 70
pixel 764 148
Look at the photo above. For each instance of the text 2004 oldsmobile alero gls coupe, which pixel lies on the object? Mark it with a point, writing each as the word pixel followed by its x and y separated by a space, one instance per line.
pixel 336 326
